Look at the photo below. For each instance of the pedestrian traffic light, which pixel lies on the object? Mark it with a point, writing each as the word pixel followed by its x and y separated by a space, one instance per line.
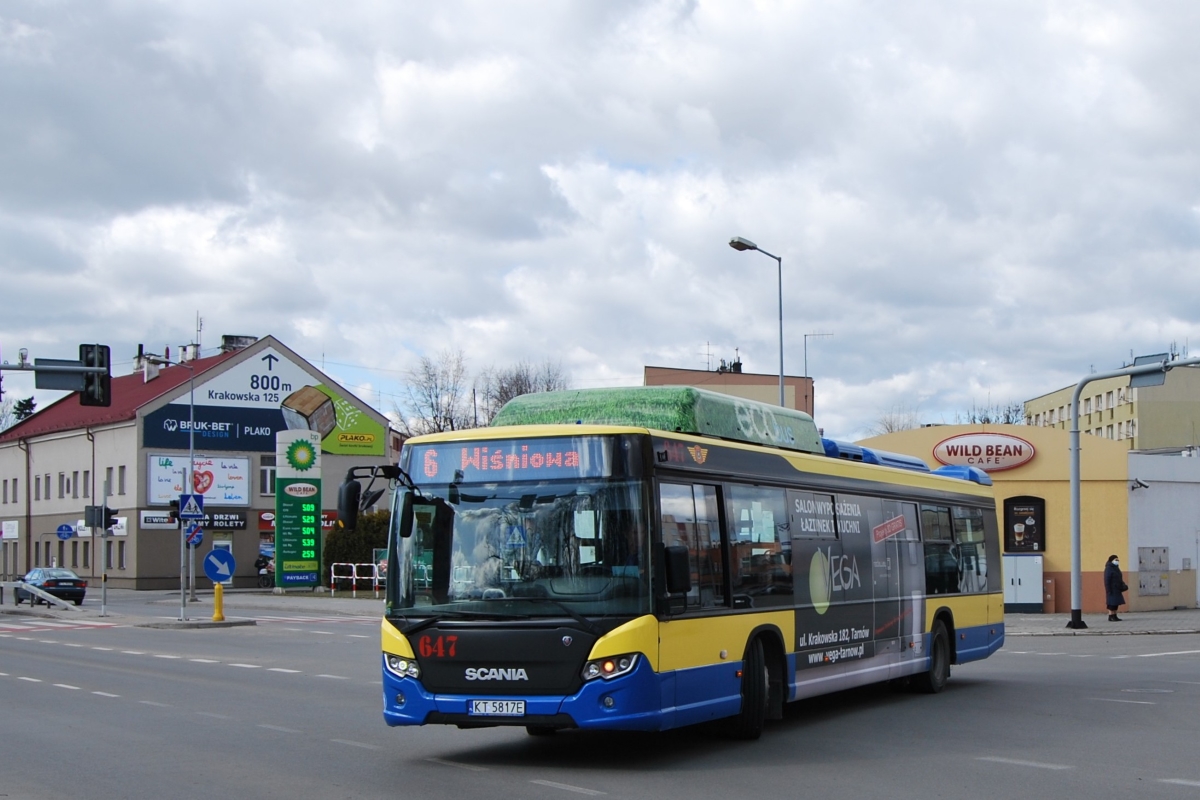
pixel 97 386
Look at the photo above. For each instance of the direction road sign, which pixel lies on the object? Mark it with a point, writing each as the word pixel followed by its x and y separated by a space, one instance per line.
pixel 219 565
pixel 191 506
pixel 65 532
pixel 195 535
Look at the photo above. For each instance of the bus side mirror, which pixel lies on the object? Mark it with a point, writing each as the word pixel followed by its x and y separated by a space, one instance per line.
pixel 349 494
pixel 678 570
pixel 405 528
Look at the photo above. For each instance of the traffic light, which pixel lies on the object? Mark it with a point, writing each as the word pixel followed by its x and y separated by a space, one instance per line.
pixel 109 518
pixel 97 386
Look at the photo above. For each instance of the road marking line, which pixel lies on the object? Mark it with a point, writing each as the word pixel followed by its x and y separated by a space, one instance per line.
pixel 1049 654
pixel 446 763
pixel 1087 656
pixel 357 744
pixel 247 666
pixel 358 636
pixel 335 677
pixel 163 655
pixel 106 694
pixel 323 633
pixel 66 686
pixel 1016 762
pixel 214 716
pixel 25 638
pixel 70 644
pixel 1175 653
pixel 5 635
pixel 133 652
pixel 279 728
pixel 1189 683
pixel 1179 782
pixel 152 703
pixel 204 660
pixel 102 648
pixel 31 680
pixel 568 788
pixel 3 674
pixel 281 669
pixel 47 641
pixel 1131 702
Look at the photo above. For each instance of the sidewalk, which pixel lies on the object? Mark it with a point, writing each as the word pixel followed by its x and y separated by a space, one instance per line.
pixel 1144 622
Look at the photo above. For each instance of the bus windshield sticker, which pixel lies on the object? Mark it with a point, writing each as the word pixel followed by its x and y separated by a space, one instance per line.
pixel 512 460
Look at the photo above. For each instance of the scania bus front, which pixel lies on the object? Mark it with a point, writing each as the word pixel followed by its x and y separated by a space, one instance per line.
pixel 519 588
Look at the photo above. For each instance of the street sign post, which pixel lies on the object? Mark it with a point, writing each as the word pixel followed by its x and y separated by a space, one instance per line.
pixel 219 566
pixel 66 532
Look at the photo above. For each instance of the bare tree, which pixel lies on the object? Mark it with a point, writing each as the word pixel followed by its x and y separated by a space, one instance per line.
pixel 899 418
pixel 496 387
pixel 436 396
pixel 1000 414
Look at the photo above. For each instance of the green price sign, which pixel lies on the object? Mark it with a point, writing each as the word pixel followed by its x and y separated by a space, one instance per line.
pixel 297 532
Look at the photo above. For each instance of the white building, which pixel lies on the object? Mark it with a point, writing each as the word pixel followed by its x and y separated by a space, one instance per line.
pixel 59 460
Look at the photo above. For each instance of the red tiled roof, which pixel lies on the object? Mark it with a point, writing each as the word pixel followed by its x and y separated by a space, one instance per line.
pixel 129 393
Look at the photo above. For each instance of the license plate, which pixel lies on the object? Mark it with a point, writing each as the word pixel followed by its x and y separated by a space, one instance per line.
pixel 498 708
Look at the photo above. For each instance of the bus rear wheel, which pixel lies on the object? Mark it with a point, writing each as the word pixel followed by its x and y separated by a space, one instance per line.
pixel 748 724
pixel 935 679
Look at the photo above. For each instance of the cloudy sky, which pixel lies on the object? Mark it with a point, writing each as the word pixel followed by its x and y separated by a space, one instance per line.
pixel 980 202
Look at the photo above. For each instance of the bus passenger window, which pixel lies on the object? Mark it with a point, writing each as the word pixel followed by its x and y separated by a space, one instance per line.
pixel 941 554
pixel 972 555
pixel 760 546
pixel 690 518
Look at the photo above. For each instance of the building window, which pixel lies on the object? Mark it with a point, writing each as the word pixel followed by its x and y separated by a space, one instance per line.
pixel 87 551
pixel 87 481
pixel 74 552
pixel 75 484
pixel 46 483
pixel 1099 402
pixel 121 479
pixel 1110 431
pixel 121 555
pixel 62 479
pixel 62 554
pixel 108 562
pixel 6 491
pixel 47 554
pixel 37 487
pixel 266 475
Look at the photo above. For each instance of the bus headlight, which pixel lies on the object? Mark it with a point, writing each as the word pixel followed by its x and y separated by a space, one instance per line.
pixel 402 667
pixel 611 667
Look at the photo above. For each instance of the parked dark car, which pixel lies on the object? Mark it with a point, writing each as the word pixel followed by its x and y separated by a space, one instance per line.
pixel 62 583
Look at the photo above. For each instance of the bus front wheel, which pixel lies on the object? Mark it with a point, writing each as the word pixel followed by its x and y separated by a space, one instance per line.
pixel 748 724
pixel 934 680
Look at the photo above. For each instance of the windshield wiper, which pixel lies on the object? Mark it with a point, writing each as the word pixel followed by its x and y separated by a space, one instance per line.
pixel 587 624
pixel 433 619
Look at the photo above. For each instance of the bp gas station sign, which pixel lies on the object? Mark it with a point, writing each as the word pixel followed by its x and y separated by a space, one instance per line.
pixel 298 508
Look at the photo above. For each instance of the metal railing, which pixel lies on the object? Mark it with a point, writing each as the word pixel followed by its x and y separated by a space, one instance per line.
pixel 33 591
pixel 354 574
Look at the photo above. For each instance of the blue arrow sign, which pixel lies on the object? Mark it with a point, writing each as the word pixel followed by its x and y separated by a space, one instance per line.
pixel 65 532
pixel 191 506
pixel 219 566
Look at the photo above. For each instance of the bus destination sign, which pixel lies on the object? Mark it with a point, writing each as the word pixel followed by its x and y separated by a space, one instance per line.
pixel 511 460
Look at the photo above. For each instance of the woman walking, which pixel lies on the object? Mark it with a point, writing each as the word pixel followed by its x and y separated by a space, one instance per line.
pixel 1114 585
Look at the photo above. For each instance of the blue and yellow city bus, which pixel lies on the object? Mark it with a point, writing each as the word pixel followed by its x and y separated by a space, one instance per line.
pixel 644 559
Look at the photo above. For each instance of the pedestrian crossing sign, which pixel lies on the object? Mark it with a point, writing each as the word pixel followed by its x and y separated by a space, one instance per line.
pixel 191 506
pixel 516 536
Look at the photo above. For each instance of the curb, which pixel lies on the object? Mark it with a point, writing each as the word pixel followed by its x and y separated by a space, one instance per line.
pixel 1099 633
pixel 197 624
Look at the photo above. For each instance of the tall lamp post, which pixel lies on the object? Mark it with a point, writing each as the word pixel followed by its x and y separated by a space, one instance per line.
pixel 188 481
pixel 738 243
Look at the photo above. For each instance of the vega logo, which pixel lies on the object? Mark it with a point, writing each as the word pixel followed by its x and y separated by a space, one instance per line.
pixel 301 489
pixel 828 573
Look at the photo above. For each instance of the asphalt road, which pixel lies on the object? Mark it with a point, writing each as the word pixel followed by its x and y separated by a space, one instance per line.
pixel 291 708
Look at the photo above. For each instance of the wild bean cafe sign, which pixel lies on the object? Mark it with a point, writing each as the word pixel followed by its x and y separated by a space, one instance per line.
pixel 991 452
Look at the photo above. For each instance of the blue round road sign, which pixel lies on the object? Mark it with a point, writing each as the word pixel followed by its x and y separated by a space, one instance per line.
pixel 195 535
pixel 65 532
pixel 219 565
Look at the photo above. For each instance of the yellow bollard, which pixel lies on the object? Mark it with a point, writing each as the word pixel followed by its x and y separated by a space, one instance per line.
pixel 218 603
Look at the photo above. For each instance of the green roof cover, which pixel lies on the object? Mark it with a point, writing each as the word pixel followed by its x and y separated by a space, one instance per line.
pixel 668 408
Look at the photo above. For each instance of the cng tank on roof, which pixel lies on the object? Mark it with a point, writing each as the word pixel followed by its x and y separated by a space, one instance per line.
pixel 680 409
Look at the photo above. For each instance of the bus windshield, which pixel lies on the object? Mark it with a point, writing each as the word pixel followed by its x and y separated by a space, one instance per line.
pixel 518 550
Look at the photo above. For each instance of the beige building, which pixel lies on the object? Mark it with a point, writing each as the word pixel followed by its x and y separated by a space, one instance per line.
pixel 729 379
pixel 1140 506
pixel 1147 418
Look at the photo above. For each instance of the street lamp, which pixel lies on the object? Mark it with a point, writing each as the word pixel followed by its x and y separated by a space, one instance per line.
pixel 188 480
pixel 738 243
